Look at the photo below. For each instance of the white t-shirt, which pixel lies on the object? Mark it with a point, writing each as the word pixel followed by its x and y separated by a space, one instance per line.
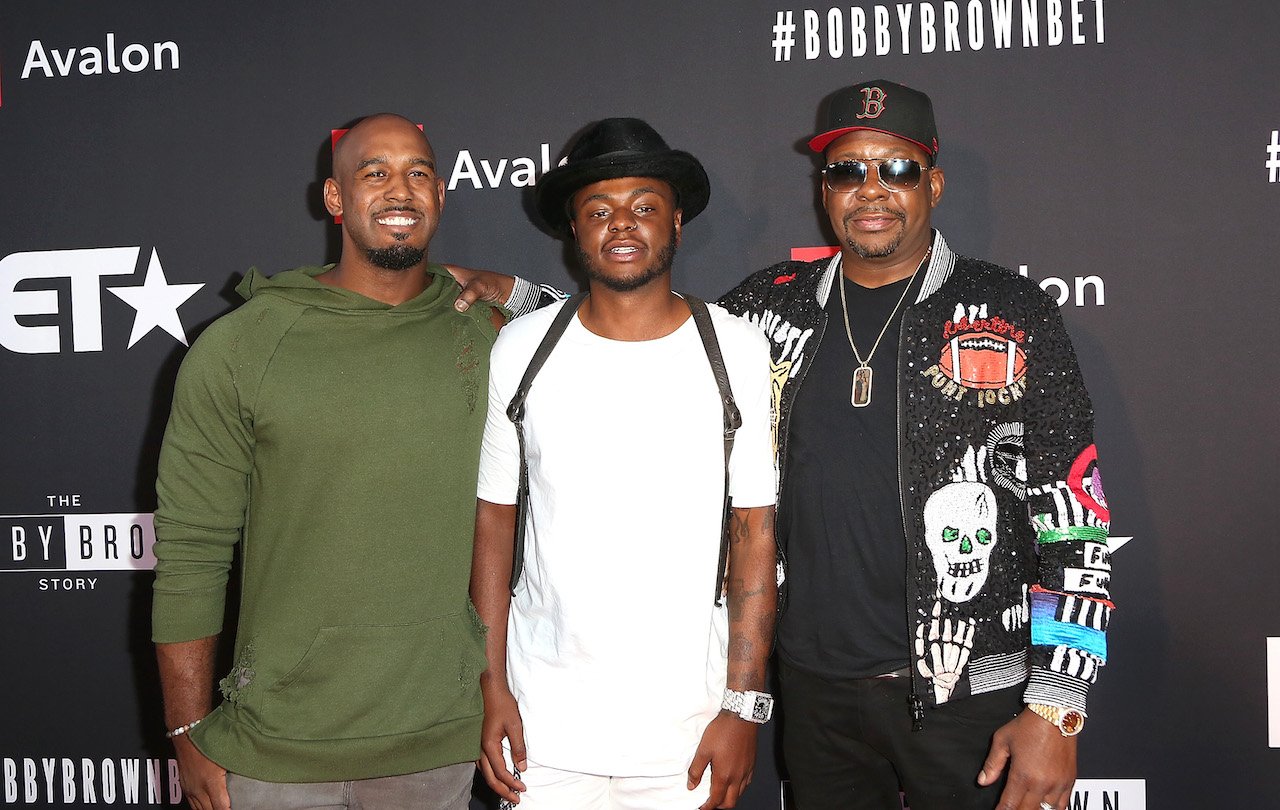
pixel 616 651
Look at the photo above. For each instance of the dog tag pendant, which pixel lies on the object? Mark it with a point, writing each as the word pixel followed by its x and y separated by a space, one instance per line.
pixel 861 387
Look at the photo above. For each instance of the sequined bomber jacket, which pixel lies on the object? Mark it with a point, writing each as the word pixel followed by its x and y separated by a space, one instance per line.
pixel 1008 567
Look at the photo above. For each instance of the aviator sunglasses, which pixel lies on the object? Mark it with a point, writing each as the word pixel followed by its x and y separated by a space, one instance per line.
pixel 896 174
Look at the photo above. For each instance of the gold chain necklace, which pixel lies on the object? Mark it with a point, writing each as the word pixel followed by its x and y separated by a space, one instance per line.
pixel 860 396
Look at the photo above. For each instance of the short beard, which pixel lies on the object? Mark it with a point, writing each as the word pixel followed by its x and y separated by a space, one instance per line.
pixel 868 252
pixel 396 257
pixel 660 267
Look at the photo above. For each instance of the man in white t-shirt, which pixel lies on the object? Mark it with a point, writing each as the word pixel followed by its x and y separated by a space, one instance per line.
pixel 629 657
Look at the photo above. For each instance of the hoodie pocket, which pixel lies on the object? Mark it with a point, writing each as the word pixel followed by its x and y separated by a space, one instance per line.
pixel 378 680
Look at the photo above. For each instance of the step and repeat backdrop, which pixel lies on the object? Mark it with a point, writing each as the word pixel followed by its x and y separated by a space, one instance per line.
pixel 1125 154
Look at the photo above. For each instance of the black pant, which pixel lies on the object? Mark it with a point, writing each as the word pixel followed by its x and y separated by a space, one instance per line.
pixel 849 745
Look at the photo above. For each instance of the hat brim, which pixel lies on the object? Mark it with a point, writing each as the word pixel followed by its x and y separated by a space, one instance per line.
pixel 819 143
pixel 680 169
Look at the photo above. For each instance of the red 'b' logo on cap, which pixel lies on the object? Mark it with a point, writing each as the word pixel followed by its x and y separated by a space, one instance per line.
pixel 872 102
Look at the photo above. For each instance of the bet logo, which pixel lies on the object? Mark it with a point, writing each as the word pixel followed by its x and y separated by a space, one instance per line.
pixel 29 298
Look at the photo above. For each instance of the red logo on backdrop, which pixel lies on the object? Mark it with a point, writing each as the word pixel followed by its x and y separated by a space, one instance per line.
pixel 812 254
pixel 335 135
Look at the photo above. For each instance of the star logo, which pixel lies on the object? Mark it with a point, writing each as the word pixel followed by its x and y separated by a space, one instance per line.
pixel 156 302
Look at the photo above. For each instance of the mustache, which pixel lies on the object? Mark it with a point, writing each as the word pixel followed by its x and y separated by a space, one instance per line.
pixel 874 209
pixel 397 209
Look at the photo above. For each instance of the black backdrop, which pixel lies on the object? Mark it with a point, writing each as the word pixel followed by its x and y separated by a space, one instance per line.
pixel 1124 151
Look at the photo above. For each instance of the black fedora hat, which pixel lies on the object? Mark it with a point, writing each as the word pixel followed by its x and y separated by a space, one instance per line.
pixel 620 147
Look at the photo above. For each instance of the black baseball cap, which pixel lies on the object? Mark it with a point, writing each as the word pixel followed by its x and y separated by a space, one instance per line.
pixel 880 106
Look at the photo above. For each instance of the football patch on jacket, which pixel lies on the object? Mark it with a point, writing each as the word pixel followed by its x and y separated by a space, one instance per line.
pixel 981 353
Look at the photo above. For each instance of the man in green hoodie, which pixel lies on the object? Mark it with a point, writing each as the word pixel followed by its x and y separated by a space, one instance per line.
pixel 331 425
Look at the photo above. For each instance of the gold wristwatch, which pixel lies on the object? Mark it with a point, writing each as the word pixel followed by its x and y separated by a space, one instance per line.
pixel 1069 721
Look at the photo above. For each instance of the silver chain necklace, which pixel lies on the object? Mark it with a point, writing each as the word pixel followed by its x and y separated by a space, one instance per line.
pixel 860 396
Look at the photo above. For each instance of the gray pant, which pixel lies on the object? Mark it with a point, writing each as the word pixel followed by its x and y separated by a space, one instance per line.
pixel 447 788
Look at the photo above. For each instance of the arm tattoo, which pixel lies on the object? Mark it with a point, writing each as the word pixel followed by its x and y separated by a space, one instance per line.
pixel 738 529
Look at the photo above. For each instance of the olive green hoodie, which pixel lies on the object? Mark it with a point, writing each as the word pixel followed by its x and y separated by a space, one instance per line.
pixel 337 439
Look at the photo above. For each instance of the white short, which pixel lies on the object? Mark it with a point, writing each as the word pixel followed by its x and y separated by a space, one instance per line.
pixel 552 789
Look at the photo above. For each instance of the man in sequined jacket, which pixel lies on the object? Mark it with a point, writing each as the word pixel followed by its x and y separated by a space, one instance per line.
pixel 941 507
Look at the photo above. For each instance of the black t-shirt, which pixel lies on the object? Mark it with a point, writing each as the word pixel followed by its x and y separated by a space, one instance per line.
pixel 846 614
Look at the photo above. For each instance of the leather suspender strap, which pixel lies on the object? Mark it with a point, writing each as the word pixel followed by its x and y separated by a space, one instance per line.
pixel 732 421
pixel 515 412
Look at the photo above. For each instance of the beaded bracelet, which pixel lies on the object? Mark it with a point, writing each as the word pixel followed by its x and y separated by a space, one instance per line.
pixel 180 730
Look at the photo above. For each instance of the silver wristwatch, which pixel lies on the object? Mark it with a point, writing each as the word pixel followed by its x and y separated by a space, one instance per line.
pixel 752 706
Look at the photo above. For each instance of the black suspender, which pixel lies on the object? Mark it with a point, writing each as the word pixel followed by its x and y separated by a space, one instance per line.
pixel 515 412
pixel 732 421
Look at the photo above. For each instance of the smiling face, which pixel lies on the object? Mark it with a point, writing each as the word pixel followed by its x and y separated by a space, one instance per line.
pixel 386 190
pixel 872 222
pixel 627 230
